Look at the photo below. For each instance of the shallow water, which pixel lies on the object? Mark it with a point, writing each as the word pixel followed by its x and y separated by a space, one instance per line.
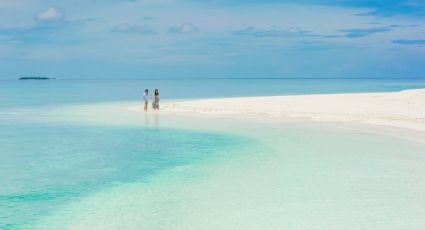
pixel 45 166
pixel 109 165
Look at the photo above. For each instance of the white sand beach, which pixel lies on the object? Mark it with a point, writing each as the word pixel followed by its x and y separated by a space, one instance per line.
pixel 405 109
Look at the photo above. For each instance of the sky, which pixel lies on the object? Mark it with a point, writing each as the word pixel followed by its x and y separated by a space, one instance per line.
pixel 130 39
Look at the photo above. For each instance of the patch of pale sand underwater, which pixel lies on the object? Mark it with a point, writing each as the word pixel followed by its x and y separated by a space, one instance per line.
pixel 300 176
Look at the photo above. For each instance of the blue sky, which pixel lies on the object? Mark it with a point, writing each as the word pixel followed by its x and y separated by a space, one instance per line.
pixel 218 38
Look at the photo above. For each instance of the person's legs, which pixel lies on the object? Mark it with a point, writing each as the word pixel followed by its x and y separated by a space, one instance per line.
pixel 146 105
pixel 155 106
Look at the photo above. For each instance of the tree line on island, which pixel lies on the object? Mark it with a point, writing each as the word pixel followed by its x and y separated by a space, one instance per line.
pixel 36 78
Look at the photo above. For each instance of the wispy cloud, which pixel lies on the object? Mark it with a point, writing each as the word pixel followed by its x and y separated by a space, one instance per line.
pixel 48 35
pixel 403 26
pixel 52 14
pixel 410 42
pixel 148 18
pixel 358 33
pixel 274 32
pixel 138 29
pixel 389 8
pixel 381 8
pixel 48 28
pixel 184 29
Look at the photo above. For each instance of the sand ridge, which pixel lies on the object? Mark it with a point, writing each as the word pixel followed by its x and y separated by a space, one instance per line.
pixel 404 109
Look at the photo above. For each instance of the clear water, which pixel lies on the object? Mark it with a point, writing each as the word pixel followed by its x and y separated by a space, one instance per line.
pixel 44 166
pixel 62 170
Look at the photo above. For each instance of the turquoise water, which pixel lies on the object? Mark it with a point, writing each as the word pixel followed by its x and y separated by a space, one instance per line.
pixel 45 166
pixel 64 166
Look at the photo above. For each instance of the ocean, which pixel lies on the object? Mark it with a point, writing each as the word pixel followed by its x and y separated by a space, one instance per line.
pixel 73 157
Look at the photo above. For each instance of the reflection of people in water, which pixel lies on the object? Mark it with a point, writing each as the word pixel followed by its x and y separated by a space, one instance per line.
pixel 146 99
pixel 155 103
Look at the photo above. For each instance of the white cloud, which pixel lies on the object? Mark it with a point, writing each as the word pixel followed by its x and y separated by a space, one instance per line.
pixel 52 14
pixel 274 32
pixel 184 29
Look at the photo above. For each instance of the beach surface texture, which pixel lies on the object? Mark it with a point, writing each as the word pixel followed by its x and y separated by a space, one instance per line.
pixel 404 109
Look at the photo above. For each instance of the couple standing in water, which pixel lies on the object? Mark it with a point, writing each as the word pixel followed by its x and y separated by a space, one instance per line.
pixel 155 102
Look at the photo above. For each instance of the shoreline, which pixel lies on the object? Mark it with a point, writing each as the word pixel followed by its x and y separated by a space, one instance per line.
pixel 403 109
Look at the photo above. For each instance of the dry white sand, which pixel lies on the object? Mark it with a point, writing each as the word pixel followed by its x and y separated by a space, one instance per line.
pixel 405 109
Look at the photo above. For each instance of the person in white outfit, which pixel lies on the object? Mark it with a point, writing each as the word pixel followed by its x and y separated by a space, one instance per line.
pixel 146 99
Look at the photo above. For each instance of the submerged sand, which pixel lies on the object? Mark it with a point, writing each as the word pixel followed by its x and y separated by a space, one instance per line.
pixel 294 175
pixel 405 109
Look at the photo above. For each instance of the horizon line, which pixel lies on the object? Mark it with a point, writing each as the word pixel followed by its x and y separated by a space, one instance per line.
pixel 240 78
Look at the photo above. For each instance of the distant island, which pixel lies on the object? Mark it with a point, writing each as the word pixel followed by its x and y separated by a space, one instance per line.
pixel 36 78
